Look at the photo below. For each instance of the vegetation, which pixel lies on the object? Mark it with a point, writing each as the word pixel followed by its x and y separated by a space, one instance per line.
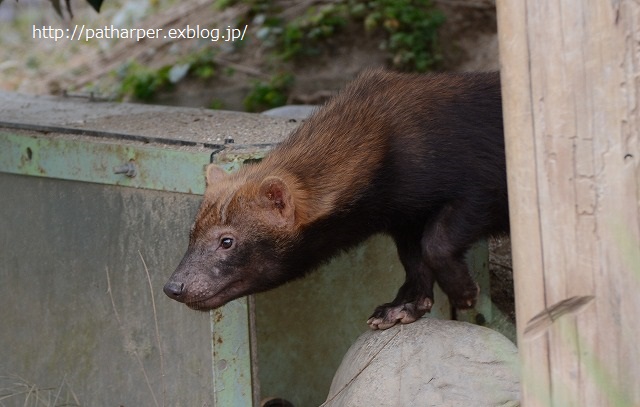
pixel 143 83
pixel 409 28
pixel 412 28
pixel 406 30
pixel 270 94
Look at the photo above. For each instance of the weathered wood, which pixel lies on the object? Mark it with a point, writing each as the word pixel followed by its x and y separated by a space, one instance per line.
pixel 571 75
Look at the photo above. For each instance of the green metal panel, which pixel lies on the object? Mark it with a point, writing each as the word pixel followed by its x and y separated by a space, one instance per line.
pixel 76 140
pixel 157 168
pixel 304 328
pixel 76 159
pixel 76 308
pixel 232 379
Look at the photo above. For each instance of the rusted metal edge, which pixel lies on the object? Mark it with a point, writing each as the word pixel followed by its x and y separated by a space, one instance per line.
pixel 178 168
pixel 105 134
pixel 231 352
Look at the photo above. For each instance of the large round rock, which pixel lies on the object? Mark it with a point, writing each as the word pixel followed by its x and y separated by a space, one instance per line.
pixel 428 363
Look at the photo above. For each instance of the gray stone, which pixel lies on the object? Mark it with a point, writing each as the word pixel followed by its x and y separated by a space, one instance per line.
pixel 299 112
pixel 430 362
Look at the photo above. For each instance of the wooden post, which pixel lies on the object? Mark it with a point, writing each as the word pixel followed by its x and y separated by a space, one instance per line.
pixel 571 90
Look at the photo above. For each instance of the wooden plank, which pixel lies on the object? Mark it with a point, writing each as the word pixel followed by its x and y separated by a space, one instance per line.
pixel 570 88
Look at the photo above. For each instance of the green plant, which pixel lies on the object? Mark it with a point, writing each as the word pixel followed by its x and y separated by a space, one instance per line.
pixel 144 83
pixel 267 95
pixel 412 28
pixel 302 36
pixel 201 64
pixel 409 29
pixel 216 104
pixel 222 4
pixel 141 82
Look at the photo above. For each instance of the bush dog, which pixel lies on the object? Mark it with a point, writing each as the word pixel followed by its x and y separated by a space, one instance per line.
pixel 419 157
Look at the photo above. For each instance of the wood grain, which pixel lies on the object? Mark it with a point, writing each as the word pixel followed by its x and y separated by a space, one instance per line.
pixel 570 74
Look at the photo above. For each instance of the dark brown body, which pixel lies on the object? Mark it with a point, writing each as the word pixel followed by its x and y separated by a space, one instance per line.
pixel 418 157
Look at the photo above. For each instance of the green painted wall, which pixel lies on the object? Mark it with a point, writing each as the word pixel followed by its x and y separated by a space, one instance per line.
pixel 305 327
pixel 69 328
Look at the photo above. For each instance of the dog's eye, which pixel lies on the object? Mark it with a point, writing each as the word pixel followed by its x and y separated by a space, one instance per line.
pixel 226 242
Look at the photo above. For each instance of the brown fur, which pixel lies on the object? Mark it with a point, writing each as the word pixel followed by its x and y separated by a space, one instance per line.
pixel 420 157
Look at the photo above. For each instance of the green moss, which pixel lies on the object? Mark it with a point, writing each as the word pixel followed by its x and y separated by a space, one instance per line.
pixel 267 95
